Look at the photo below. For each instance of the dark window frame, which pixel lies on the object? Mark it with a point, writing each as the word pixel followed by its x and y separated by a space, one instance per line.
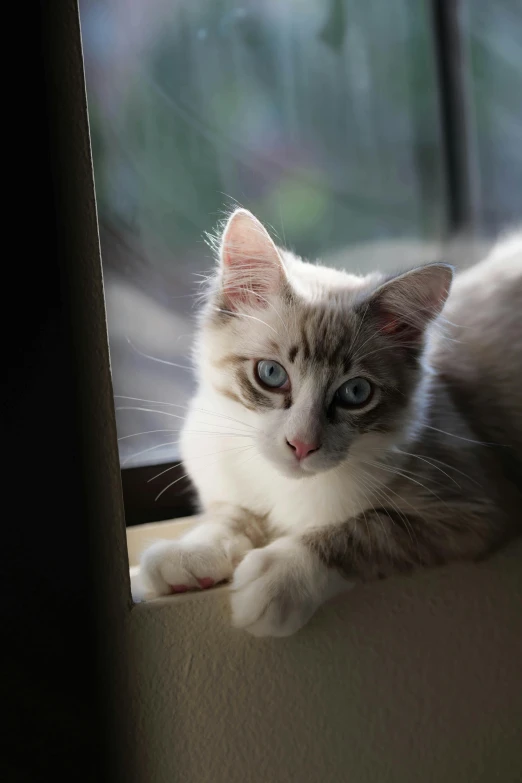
pixel 140 489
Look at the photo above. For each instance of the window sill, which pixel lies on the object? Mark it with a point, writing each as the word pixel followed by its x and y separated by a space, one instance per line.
pixel 139 537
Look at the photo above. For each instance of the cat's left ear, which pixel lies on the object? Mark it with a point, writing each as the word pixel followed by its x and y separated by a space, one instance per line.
pixel 251 267
pixel 406 304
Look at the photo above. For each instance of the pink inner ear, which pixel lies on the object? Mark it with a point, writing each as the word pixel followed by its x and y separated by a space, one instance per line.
pixel 251 264
pixel 395 326
pixel 390 323
pixel 407 304
pixel 243 286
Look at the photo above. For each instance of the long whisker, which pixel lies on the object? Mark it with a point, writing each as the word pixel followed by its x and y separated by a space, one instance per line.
pixel 145 451
pixel 239 449
pixel 222 435
pixel 393 469
pixel 370 489
pixel 155 358
pixel 173 415
pixel 180 478
pixel 171 467
pixel 460 437
pixel 256 454
pixel 185 407
pixel 147 432
pixel 149 410
pixel 428 462
pixel 446 465
pixel 408 478
pixel 383 494
pixel 186 475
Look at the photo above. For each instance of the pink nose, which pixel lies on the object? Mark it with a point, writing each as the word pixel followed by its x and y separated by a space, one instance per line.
pixel 302 449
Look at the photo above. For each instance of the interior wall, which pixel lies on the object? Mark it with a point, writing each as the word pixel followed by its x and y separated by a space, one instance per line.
pixel 408 680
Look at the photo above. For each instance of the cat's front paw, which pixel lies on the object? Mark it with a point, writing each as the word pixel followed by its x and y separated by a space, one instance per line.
pixel 179 566
pixel 276 589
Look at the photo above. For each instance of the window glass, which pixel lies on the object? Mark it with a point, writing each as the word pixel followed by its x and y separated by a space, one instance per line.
pixel 321 117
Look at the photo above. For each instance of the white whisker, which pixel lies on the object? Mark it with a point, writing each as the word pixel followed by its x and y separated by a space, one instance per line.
pixel 408 478
pixel 446 465
pixel 155 358
pixel 372 489
pixel 186 475
pixel 173 415
pixel 427 461
pixel 200 456
pixel 383 494
pixel 185 407
pixel 460 437
pixel 145 451
pixel 190 432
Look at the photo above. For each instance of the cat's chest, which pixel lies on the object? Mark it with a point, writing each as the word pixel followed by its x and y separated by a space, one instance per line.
pixel 292 505
pixel 227 467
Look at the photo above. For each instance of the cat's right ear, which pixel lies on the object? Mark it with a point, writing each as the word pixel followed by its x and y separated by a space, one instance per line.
pixel 251 267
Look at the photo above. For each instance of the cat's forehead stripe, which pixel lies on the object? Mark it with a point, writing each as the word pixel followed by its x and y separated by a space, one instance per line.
pixel 326 337
pixel 230 360
pixel 305 345
pixel 292 353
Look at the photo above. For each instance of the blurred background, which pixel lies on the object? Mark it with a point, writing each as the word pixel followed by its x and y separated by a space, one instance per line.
pixel 327 118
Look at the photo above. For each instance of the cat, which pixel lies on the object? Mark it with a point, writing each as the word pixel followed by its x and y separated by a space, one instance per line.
pixel 345 428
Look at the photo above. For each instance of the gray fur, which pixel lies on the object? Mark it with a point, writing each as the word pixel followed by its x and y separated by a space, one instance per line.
pixel 450 398
pixel 461 494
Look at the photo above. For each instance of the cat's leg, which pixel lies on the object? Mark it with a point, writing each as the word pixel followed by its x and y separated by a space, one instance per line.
pixel 276 589
pixel 207 554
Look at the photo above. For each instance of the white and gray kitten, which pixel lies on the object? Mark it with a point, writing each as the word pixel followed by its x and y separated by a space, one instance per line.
pixel 345 428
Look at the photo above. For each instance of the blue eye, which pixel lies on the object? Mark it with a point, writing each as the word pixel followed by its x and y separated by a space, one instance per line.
pixel 271 374
pixel 354 393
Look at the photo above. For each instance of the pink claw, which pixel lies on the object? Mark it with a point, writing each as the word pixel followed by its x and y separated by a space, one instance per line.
pixel 206 582
pixel 179 588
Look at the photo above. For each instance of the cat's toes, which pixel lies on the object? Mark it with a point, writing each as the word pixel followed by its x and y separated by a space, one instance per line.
pixel 178 566
pixel 273 591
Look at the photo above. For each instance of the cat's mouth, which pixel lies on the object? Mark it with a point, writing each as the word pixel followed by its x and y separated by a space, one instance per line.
pixel 297 469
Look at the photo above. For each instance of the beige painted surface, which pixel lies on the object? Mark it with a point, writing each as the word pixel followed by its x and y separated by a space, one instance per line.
pixel 413 680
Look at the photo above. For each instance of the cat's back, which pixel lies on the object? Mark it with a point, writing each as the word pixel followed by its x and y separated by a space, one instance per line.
pixel 479 352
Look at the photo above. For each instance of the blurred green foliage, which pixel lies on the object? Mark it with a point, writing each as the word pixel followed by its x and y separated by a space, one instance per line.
pixel 329 144
pixel 323 118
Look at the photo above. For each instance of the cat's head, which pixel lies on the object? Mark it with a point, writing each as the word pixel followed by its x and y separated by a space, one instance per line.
pixel 324 364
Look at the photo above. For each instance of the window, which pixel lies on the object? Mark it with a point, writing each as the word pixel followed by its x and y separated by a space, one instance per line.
pixel 493 32
pixel 367 134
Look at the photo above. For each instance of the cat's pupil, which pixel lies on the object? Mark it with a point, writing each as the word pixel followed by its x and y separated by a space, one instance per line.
pixel 271 373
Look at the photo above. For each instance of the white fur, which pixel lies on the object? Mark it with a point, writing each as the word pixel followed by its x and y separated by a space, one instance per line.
pixel 206 552
pixel 222 449
pixel 278 588
pixel 240 476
